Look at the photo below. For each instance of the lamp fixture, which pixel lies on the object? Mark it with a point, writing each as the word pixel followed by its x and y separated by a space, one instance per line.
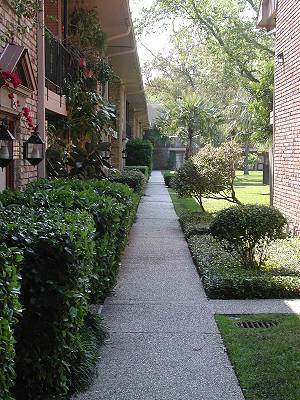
pixel 34 148
pixel 280 58
pixel 6 144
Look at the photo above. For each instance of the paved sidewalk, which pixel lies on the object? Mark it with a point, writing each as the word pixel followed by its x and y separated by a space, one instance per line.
pixel 164 343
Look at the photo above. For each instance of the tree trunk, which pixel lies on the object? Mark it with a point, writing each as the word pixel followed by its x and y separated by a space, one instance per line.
pixel 246 159
pixel 199 199
pixel 189 148
pixel 266 169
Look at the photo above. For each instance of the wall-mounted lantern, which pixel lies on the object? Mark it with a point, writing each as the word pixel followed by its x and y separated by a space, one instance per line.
pixel 124 154
pixel 105 152
pixel 6 144
pixel 280 58
pixel 34 148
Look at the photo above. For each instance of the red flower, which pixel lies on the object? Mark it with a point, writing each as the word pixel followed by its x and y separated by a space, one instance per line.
pixel 11 96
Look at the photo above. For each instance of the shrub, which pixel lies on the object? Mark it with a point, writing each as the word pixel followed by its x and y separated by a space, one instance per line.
pixel 9 314
pixel 58 250
pixel 168 178
pixel 195 223
pixel 134 179
pixel 144 169
pixel 139 152
pixel 189 182
pixel 246 231
pixel 224 278
pixel 113 207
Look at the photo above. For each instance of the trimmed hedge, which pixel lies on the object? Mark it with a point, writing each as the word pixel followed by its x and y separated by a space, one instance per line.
pixel 139 152
pixel 136 180
pixel 142 168
pixel 113 207
pixel 58 250
pixel 224 278
pixel 168 176
pixel 195 223
pixel 72 234
pixel 10 311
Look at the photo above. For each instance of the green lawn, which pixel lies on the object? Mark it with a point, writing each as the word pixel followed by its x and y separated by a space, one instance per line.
pixel 267 361
pixel 249 189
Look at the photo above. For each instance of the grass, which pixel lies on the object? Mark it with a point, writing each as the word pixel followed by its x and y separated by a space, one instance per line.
pixel 249 190
pixel 267 361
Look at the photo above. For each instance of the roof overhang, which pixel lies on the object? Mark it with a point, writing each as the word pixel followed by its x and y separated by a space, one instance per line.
pixel 116 22
pixel 267 14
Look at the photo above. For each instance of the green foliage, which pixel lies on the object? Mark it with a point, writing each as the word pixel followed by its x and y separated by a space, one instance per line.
pixel 58 250
pixel 210 173
pixel 253 159
pixel 142 168
pixel 92 336
pixel 72 234
pixel 223 276
pixel 112 206
pixel 139 152
pixel 261 104
pixel 246 231
pixel 136 180
pixel 10 311
pixel 195 223
pixel 168 177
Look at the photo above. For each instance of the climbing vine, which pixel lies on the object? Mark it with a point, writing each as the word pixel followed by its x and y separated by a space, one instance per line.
pixel 26 18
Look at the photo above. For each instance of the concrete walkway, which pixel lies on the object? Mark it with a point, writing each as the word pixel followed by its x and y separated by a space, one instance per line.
pixel 164 342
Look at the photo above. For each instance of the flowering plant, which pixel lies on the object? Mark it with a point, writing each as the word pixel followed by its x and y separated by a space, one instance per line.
pixel 7 77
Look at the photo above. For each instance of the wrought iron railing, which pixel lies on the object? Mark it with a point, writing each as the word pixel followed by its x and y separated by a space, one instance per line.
pixel 61 63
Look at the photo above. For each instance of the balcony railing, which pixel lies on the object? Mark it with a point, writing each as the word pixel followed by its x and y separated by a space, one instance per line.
pixel 61 63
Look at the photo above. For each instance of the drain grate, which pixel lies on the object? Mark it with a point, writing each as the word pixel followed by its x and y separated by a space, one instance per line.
pixel 257 324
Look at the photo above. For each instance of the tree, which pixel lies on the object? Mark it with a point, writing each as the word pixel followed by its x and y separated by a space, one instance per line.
pixel 227 26
pixel 209 174
pixel 188 118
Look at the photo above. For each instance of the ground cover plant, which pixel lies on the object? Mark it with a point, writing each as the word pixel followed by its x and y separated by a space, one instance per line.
pixel 223 276
pixel 266 361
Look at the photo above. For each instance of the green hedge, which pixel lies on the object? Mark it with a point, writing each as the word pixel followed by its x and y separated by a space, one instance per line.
pixel 224 278
pixel 195 223
pixel 72 234
pixel 10 310
pixel 168 176
pixel 113 207
pixel 139 152
pixel 136 180
pixel 144 169
pixel 58 251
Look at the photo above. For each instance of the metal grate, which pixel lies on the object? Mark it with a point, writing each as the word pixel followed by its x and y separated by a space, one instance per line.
pixel 257 324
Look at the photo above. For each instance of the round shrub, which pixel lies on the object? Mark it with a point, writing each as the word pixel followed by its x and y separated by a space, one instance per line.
pixel 247 230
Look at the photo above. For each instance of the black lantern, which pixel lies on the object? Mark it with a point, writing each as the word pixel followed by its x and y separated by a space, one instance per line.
pixel 124 154
pixel 6 145
pixel 34 148
pixel 105 150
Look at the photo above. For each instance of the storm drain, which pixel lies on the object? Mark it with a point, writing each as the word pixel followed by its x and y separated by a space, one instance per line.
pixel 257 324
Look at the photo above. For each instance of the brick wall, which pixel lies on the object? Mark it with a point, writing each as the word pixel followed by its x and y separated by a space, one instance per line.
pixel 287 113
pixel 23 171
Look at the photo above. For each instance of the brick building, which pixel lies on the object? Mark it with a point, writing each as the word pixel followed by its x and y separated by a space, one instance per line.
pixel 19 55
pixel 38 59
pixel 283 17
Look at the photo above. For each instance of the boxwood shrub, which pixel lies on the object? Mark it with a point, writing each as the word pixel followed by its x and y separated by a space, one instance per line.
pixel 58 253
pixel 196 223
pixel 223 277
pixel 10 310
pixel 168 176
pixel 144 169
pixel 139 152
pixel 113 207
pixel 136 180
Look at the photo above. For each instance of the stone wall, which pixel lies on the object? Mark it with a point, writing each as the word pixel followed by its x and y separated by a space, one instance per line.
pixel 23 172
pixel 287 113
